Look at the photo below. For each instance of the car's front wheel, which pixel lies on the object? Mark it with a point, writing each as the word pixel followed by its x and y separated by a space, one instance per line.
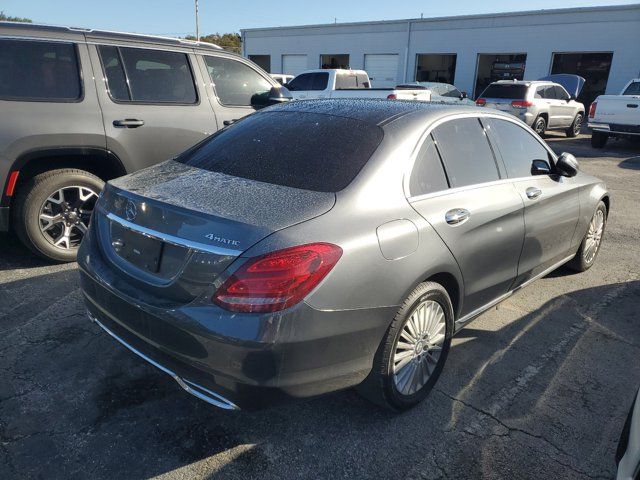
pixel 590 246
pixel 413 352
pixel 576 126
pixel 52 212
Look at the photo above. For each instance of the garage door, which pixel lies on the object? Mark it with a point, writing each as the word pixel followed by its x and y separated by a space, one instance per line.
pixel 382 70
pixel 294 64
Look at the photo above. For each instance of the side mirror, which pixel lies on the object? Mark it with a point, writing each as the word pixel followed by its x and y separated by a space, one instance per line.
pixel 540 167
pixel 275 96
pixel 567 165
pixel 463 95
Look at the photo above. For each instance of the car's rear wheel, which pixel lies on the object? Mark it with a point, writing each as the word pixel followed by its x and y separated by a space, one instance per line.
pixel 414 350
pixel 590 246
pixel 576 126
pixel 53 210
pixel 599 139
pixel 540 126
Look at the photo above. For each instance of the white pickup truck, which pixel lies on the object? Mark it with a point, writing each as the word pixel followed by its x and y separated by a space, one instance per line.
pixel 338 83
pixel 616 116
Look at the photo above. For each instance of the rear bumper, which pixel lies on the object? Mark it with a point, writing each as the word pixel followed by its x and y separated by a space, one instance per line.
pixel 246 361
pixel 4 219
pixel 614 129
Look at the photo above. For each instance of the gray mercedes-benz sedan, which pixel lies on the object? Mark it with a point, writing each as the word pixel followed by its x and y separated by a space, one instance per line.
pixel 320 245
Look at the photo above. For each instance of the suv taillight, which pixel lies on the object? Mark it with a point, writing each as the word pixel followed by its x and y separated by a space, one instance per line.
pixel 592 109
pixel 521 104
pixel 277 280
pixel 481 102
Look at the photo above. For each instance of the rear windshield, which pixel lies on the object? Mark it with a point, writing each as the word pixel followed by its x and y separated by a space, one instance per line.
pixel 309 151
pixel 497 90
pixel 633 89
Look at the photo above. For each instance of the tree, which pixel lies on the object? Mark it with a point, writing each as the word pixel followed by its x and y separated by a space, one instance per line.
pixel 228 41
pixel 5 18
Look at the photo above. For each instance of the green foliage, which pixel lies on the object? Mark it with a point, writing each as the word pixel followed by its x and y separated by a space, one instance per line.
pixel 228 41
pixel 5 18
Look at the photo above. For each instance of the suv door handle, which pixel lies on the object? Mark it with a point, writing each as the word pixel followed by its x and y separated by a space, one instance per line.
pixel 457 216
pixel 533 192
pixel 226 123
pixel 128 123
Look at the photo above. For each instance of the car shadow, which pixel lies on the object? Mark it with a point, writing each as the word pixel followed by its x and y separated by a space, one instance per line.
pixel 82 405
pixel 13 254
pixel 632 163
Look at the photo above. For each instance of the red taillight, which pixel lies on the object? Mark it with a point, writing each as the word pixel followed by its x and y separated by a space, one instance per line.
pixel 11 184
pixel 392 96
pixel 277 280
pixel 521 104
pixel 481 102
pixel 592 109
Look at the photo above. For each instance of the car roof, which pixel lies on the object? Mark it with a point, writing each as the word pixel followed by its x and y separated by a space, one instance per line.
pixel 108 35
pixel 337 70
pixel 525 82
pixel 376 111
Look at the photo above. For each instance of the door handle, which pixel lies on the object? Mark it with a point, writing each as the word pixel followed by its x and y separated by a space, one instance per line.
pixel 457 216
pixel 533 192
pixel 226 123
pixel 128 123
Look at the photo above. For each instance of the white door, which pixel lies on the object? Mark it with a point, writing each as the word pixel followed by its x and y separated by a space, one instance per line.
pixel 382 70
pixel 294 64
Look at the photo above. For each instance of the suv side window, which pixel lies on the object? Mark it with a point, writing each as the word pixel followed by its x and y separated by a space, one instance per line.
pixel 148 76
pixel 427 175
pixel 33 70
pixel 518 147
pixel 561 93
pixel 466 153
pixel 235 82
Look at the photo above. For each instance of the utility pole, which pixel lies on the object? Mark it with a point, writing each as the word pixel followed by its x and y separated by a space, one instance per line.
pixel 197 24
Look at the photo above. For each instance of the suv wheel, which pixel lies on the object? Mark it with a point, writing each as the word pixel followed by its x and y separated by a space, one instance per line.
pixel 540 126
pixel 412 353
pixel 53 210
pixel 599 139
pixel 576 126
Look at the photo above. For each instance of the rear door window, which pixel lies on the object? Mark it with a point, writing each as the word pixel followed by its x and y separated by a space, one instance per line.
pixel 39 71
pixel 152 76
pixel 428 175
pixel 505 90
pixel 518 147
pixel 235 83
pixel 302 150
pixel 465 151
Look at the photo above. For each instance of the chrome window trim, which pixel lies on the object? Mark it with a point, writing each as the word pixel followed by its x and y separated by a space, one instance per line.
pixel 440 121
pixel 172 239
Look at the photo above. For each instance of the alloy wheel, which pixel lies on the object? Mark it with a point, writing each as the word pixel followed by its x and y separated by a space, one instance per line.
pixel 64 216
pixel 419 346
pixel 594 236
pixel 577 125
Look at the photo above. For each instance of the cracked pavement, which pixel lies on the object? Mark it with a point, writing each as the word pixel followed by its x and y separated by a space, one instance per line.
pixel 537 388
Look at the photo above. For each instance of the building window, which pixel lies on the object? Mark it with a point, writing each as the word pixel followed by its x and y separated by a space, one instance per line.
pixel 339 60
pixel 435 68
pixel 498 66
pixel 263 61
pixel 594 67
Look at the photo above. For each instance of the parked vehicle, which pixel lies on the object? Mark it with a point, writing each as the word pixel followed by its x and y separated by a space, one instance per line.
pixel 231 267
pixel 340 83
pixel 80 107
pixel 616 116
pixel 542 104
pixel 501 70
pixel 442 92
pixel 281 78
pixel 628 452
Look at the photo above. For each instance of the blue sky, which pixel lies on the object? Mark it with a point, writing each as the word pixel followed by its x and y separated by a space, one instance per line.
pixel 176 18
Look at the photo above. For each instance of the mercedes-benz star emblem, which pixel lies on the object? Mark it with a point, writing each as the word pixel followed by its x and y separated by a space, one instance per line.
pixel 130 210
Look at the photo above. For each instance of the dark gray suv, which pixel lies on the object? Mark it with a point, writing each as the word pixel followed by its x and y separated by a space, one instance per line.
pixel 80 107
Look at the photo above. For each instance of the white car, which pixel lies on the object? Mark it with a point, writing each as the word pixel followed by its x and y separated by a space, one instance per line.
pixel 442 92
pixel 340 83
pixel 616 116
pixel 281 78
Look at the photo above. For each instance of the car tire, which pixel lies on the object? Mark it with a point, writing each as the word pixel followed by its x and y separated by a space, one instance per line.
pixel 427 317
pixel 599 139
pixel 540 126
pixel 574 130
pixel 590 246
pixel 42 215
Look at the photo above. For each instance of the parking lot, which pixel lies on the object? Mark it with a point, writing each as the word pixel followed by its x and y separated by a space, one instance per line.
pixel 537 388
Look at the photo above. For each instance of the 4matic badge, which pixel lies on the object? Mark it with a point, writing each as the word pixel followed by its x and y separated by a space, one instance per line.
pixel 222 240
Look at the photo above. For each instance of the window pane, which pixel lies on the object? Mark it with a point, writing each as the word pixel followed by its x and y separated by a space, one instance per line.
pixel 310 151
pixel 501 90
pixel 116 80
pixel 156 76
pixel 31 70
pixel 561 93
pixel 465 152
pixel 346 81
pixel 319 81
pixel 518 147
pixel 235 82
pixel 300 83
pixel 427 175
pixel 633 89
